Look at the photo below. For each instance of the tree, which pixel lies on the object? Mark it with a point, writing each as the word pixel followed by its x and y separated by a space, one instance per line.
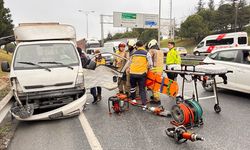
pixel 211 5
pixel 6 26
pixel 208 18
pixel 243 17
pixel 222 2
pixel 224 21
pixel 200 5
pixel 194 27
pixel 10 47
pixel 148 34
pixel 242 4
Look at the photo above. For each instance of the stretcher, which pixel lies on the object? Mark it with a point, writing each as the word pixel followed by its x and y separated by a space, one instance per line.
pixel 200 73
pixel 164 85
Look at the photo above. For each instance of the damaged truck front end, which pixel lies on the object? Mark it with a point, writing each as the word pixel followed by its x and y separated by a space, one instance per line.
pixel 46 73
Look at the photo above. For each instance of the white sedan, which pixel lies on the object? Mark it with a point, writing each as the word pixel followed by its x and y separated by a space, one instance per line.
pixel 236 60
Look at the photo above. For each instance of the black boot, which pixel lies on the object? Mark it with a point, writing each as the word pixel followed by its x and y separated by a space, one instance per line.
pixel 95 100
pixel 99 98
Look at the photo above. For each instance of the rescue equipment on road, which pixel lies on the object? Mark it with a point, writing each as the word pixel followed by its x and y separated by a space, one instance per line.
pixel 181 135
pixel 187 113
pixel 164 85
pixel 118 103
pixel 200 72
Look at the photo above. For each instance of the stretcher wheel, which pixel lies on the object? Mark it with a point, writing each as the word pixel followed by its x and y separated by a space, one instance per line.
pixel 217 108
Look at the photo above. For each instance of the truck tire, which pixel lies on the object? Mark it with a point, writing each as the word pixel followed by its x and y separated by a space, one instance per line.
pixel 197 53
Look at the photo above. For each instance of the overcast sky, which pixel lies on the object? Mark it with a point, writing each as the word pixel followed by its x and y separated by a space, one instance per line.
pixel 66 11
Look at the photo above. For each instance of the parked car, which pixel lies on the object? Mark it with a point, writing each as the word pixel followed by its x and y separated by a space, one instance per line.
pixel 109 58
pixel 236 60
pixel 182 50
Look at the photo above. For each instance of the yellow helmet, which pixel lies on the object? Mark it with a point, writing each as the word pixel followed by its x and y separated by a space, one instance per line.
pixel 152 43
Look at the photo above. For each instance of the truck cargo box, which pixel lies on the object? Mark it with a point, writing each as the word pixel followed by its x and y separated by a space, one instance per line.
pixel 27 32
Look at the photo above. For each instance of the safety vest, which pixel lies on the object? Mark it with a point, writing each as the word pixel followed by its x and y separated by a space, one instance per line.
pixel 120 62
pixel 139 62
pixel 157 61
pixel 101 61
pixel 173 57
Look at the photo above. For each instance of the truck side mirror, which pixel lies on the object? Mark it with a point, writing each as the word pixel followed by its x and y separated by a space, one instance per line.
pixel 5 66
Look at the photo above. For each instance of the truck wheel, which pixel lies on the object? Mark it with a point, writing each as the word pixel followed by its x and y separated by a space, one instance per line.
pixel 197 53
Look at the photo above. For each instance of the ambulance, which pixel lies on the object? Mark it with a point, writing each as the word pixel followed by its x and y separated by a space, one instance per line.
pixel 221 41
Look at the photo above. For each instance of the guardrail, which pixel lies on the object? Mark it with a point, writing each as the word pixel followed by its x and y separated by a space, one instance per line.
pixel 5 105
pixel 193 57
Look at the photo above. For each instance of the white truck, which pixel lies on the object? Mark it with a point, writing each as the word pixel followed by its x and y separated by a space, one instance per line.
pixel 46 73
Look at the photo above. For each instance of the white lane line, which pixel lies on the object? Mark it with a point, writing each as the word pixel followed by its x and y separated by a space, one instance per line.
pixel 93 141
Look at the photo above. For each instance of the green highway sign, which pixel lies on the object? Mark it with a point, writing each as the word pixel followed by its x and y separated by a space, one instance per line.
pixel 129 16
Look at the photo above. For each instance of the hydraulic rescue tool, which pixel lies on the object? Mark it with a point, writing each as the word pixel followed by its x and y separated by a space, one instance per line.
pixel 118 103
pixel 181 135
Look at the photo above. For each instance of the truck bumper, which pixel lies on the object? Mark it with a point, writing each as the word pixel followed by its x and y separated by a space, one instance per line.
pixel 72 109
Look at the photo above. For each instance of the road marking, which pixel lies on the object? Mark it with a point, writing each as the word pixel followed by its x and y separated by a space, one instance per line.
pixel 93 141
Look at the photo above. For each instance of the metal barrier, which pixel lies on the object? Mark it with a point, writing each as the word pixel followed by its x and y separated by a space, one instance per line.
pixel 192 57
pixel 5 105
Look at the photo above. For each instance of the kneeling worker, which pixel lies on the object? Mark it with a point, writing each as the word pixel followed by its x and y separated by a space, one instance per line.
pixel 140 62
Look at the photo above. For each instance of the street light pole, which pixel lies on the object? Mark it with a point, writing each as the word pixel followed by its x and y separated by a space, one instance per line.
pixel 87 20
pixel 159 26
pixel 171 32
pixel 87 24
pixel 236 15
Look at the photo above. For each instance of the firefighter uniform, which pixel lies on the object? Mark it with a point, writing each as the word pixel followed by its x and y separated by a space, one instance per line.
pixel 138 70
pixel 119 63
pixel 157 58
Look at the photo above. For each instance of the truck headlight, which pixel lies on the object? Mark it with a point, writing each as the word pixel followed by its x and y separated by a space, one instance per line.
pixel 80 80
pixel 16 85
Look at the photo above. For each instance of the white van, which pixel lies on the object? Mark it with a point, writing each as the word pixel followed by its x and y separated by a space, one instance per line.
pixel 111 47
pixel 46 72
pixel 225 40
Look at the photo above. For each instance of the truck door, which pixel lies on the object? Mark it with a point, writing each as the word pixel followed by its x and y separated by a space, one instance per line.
pixel 105 75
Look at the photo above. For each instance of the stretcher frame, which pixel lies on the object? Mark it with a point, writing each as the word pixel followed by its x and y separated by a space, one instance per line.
pixel 196 75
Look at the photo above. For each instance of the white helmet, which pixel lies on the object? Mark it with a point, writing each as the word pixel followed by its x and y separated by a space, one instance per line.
pixel 131 43
pixel 152 43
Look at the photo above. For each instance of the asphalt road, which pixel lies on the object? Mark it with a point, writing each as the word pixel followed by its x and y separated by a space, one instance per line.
pixel 137 129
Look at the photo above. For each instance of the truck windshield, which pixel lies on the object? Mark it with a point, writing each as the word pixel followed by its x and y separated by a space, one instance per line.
pixel 57 52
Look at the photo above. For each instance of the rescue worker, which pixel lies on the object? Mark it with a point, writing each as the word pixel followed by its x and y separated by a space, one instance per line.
pixel 140 63
pixel 157 59
pixel 96 92
pixel 131 49
pixel 119 63
pixel 173 59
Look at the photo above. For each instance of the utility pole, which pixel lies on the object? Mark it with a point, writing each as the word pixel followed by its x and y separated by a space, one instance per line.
pixel 159 25
pixel 236 15
pixel 102 26
pixel 102 32
pixel 87 20
pixel 171 32
pixel 87 25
